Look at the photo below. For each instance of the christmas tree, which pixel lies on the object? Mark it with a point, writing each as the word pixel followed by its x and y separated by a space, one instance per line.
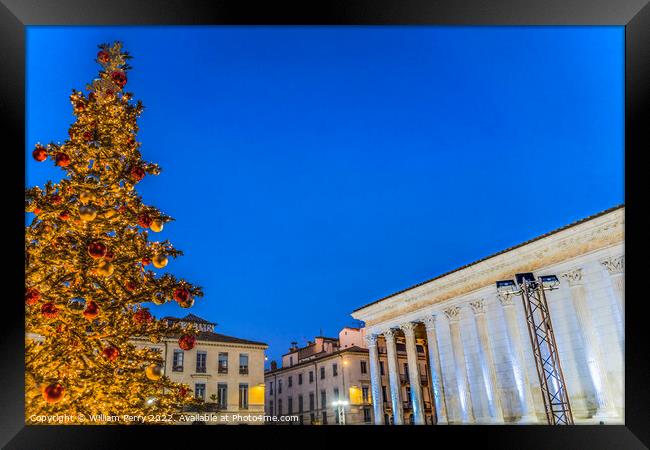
pixel 87 267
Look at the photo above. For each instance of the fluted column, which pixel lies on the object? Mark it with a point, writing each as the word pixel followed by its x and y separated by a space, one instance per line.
pixel 518 363
pixel 462 379
pixel 437 385
pixel 616 268
pixel 487 362
pixel 393 376
pixel 592 345
pixel 375 379
pixel 414 374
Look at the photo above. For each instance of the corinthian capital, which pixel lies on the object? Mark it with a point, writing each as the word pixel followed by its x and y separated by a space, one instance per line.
pixel 408 328
pixel 452 313
pixel 429 322
pixel 478 306
pixel 615 264
pixel 371 340
pixel 506 300
pixel 389 335
pixel 574 277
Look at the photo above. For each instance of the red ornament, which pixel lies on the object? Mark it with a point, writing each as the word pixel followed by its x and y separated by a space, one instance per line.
pixel 49 310
pixel 56 199
pixel 111 353
pixel 53 393
pixel 103 56
pixel 97 249
pixel 137 173
pixel 91 96
pixel 32 296
pixel 88 136
pixel 146 261
pixel 142 316
pixel 181 294
pixel 144 220
pixel 39 154
pixel 79 107
pixel 130 286
pixel 186 342
pixel 119 78
pixel 64 215
pixel 182 391
pixel 91 311
pixel 62 159
pixel 131 141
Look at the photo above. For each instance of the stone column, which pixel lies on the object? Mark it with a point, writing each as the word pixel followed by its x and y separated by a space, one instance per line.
pixel 592 346
pixel 375 379
pixel 616 268
pixel 462 379
pixel 414 374
pixel 437 386
pixel 487 362
pixel 518 363
pixel 393 376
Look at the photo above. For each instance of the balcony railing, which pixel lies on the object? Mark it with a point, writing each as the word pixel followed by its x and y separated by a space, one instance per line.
pixel 222 369
pixel 201 369
pixel 243 370
pixel 177 368
pixel 424 380
pixel 404 378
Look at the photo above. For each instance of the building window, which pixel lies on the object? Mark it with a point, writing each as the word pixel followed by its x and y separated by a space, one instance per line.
pixel 366 414
pixel 177 364
pixel 311 376
pixel 279 407
pixel 223 362
pixel 322 373
pixel 199 391
pixel 271 387
pixel 243 364
pixel 279 387
pixel 364 394
pixel 291 360
pixel 335 369
pixel 300 403
pixel 311 401
pixel 381 367
pixel 290 405
pixel 336 394
pixel 406 372
pixel 270 407
pixel 201 361
pixel 383 393
pixel 290 382
pixel 323 399
pixel 324 417
pixel 299 378
pixel 222 395
pixel 243 396
pixel 364 367
pixel 312 417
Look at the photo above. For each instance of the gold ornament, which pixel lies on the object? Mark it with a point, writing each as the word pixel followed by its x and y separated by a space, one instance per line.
pixel 157 225
pixel 105 269
pixel 154 372
pixel 109 213
pixel 158 298
pixel 87 212
pixel 159 261
pixel 86 197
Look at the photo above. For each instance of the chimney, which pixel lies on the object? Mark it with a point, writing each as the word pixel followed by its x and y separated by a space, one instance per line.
pixel 274 365
pixel 294 346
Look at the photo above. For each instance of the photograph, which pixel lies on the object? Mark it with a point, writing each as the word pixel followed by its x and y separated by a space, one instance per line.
pixel 408 220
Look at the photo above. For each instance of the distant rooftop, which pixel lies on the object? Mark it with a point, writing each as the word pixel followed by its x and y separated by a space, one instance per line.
pixel 206 332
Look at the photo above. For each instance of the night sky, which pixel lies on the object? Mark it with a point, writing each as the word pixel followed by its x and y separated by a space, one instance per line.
pixel 312 170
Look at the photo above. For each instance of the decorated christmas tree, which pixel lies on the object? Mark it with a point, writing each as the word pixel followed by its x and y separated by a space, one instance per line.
pixel 88 261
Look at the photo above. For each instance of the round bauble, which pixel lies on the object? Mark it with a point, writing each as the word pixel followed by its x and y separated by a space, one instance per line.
pixel 109 256
pixel 91 311
pixel 154 372
pixel 103 56
pixel 137 174
pixel 87 212
pixel 111 353
pixel 64 215
pixel 150 401
pixel 142 316
pixel 49 310
pixel 53 393
pixel 76 305
pixel 144 220
pixel 79 107
pixel 188 303
pixel 86 197
pixel 87 135
pixel 186 342
pixel 160 261
pixel 105 268
pixel 157 225
pixel 181 294
pixel 39 154
pixel 62 159
pixel 97 249
pixel 146 261
pixel 109 213
pixel 118 78
pixel 32 296
pixel 56 199
pixel 158 298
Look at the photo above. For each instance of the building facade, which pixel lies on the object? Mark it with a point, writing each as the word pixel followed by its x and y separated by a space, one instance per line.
pixel 481 364
pixel 327 370
pixel 224 371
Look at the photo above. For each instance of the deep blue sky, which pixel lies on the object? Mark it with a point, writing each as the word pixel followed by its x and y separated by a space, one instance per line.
pixel 313 170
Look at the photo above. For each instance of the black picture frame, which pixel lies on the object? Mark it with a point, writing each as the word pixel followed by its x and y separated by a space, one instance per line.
pixel 634 15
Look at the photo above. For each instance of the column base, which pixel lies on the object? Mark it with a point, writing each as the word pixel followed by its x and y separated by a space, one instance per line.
pixel 527 420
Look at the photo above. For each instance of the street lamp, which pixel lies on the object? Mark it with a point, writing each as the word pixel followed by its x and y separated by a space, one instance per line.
pixel 542 340
pixel 340 406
